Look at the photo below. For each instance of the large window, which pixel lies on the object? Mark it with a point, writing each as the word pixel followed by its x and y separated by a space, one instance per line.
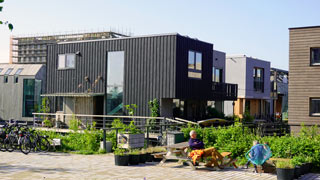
pixel 115 78
pixel 315 56
pixel 315 106
pixel 258 79
pixel 66 61
pixel 217 75
pixel 194 64
pixel 28 97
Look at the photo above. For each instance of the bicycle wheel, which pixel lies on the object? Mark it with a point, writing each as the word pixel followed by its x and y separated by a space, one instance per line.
pixel 44 144
pixel 2 145
pixel 9 144
pixel 25 145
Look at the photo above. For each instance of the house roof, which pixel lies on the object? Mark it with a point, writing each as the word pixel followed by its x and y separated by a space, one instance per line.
pixel 28 69
pixel 305 27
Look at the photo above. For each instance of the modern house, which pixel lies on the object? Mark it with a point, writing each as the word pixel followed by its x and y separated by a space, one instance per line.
pixel 33 49
pixel 253 78
pixel 304 68
pixel 279 93
pixel 20 87
pixel 101 76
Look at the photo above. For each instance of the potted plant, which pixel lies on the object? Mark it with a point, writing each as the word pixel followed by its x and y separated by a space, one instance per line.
pixel 133 138
pixel 308 164
pixel 285 170
pixel 297 162
pixel 120 158
pixel 149 157
pixel 134 157
pixel 143 156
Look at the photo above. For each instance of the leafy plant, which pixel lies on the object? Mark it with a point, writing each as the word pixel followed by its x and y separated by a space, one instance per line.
pixel 47 123
pixel 134 152
pixel 74 123
pixel 131 108
pixel 119 151
pixel 155 111
pixel 247 118
pixel 285 164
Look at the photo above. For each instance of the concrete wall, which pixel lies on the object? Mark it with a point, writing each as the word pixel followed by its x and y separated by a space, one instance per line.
pixel 236 72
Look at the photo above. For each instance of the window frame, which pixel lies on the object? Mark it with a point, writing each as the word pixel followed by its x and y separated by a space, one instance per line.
pixel 65 61
pixel 311 62
pixel 310 107
pixel 194 68
pixel 262 81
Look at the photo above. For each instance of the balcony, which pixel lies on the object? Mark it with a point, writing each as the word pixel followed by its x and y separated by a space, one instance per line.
pixel 225 91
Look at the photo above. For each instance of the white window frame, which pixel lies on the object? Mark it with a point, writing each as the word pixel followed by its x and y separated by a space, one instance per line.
pixel 63 64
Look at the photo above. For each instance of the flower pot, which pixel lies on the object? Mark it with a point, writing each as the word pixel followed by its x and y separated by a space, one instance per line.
pixel 149 157
pixel 134 159
pixel 285 174
pixel 297 172
pixel 121 160
pixel 304 168
pixel 308 167
pixel 143 158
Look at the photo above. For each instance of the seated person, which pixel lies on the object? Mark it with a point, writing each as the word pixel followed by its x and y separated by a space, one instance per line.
pixel 195 144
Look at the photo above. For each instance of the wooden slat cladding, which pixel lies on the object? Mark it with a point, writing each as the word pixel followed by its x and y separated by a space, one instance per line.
pixel 149 70
pixel 304 79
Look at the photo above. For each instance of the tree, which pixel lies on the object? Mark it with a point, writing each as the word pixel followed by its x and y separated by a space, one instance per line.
pixel 10 26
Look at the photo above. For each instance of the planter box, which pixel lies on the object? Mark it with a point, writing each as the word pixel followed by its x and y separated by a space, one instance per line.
pixel 131 140
pixel 174 138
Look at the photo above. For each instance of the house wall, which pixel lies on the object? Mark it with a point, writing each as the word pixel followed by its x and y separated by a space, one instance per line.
pixel 11 98
pixel 219 61
pixel 188 88
pixel 304 79
pixel 249 90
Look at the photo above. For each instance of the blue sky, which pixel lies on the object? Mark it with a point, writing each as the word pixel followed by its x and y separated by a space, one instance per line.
pixel 255 28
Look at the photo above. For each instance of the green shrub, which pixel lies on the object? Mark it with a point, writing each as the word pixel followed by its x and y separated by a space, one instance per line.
pixel 238 140
pixel 47 123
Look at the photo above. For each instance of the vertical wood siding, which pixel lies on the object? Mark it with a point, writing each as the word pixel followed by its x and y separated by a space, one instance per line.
pixel 304 80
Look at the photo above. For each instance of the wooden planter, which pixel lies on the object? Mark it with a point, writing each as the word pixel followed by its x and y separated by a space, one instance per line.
pixel 131 140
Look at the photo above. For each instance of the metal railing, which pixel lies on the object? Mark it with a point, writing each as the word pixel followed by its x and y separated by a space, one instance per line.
pixel 225 90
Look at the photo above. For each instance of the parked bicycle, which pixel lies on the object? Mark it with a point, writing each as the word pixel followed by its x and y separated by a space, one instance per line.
pixel 21 137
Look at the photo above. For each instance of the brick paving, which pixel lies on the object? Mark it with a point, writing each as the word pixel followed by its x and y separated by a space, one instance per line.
pixel 72 166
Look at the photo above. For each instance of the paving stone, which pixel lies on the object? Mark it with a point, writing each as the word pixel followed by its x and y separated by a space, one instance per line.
pixel 72 166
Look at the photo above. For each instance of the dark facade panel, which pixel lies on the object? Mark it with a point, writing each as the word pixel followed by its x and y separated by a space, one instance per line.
pixel 188 88
pixel 149 68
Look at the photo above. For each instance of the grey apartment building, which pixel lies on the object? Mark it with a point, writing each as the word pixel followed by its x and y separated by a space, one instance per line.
pixel 33 49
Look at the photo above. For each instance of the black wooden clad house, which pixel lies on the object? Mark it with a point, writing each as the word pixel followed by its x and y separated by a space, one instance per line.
pixel 156 66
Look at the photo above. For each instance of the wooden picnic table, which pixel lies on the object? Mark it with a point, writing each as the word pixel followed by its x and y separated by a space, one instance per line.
pixel 179 152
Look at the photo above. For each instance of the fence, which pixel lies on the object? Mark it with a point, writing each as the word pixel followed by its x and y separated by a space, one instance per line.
pixel 153 127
